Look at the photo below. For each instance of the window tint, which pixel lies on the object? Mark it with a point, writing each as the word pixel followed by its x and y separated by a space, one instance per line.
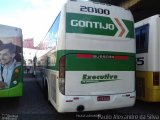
pixel 142 35
pixel 50 40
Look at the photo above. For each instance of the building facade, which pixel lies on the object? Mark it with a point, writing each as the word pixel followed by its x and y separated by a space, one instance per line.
pixel 29 51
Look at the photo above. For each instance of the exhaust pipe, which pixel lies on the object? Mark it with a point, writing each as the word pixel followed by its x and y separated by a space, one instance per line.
pixel 80 108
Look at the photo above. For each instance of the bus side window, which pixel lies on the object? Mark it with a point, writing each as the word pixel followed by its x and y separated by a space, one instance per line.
pixel 48 61
pixel 51 37
pixel 54 59
pixel 142 35
pixel 137 41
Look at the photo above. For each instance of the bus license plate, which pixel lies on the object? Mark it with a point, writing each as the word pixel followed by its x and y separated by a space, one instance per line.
pixel 103 98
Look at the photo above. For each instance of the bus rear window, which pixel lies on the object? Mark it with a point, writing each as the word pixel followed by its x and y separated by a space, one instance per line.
pixel 142 35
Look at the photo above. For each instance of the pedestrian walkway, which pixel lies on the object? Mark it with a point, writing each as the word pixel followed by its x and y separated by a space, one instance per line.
pixel 32 101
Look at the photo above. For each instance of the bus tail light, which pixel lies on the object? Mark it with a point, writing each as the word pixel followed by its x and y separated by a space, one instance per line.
pixel 62 74
pixel 156 80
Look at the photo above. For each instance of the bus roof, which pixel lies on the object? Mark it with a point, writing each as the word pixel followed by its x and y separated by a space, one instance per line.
pixel 88 7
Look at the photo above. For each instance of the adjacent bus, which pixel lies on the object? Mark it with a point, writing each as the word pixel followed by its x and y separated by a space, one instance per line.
pixel 11 65
pixel 90 58
pixel 147 58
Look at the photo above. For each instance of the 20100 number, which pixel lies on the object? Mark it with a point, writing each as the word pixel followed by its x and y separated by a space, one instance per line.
pixel 94 10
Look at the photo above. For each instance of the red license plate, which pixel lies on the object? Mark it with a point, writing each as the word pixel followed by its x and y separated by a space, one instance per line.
pixel 103 98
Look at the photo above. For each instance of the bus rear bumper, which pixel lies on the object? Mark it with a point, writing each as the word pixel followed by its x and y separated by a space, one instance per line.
pixel 92 103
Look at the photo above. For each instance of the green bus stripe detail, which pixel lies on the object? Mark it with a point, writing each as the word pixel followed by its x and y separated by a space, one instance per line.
pixel 130 27
pixel 96 25
pixel 84 64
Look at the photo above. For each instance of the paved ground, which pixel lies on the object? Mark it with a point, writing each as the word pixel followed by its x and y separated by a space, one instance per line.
pixel 33 106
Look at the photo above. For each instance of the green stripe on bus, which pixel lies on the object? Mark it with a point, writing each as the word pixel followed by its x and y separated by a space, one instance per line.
pixel 94 64
pixel 96 25
pixel 89 24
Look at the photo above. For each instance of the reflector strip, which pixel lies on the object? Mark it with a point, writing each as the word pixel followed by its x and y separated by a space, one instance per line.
pixel 118 57
pixel 121 57
pixel 84 56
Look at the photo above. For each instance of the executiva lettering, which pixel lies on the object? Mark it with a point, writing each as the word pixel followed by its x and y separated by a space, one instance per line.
pixel 92 24
pixel 98 78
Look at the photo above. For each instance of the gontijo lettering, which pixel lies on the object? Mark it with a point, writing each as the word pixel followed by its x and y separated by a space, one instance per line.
pixel 92 24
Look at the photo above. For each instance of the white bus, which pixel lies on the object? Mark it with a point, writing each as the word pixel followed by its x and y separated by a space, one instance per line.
pixel 148 66
pixel 90 59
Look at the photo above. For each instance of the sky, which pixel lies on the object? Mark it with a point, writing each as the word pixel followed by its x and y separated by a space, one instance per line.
pixel 34 17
